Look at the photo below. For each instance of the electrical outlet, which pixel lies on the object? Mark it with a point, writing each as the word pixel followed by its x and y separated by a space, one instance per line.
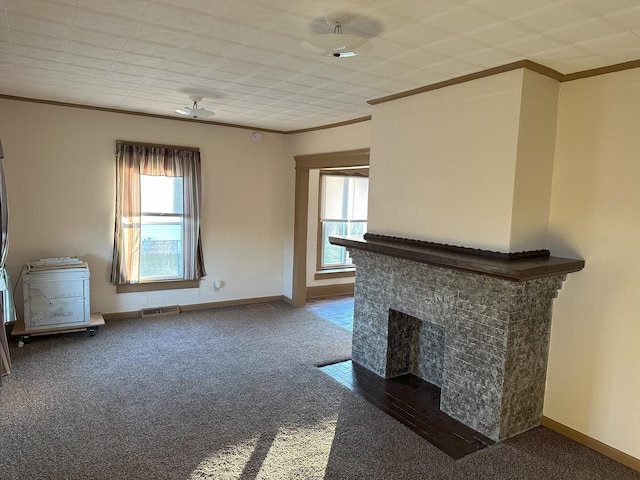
pixel 216 285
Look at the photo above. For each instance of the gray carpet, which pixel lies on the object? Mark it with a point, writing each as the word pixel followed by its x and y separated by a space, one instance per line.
pixel 230 394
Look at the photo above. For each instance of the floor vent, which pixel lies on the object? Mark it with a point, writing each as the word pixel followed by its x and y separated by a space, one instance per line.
pixel 160 311
pixel 259 307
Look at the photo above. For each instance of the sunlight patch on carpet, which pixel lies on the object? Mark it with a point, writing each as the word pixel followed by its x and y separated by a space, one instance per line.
pixel 227 464
pixel 300 452
pixel 294 451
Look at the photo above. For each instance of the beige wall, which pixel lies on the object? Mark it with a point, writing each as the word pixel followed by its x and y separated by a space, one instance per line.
pixel 443 163
pixel 60 174
pixel 534 162
pixel 593 382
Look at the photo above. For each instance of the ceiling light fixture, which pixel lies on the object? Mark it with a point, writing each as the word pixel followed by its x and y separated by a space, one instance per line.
pixel 337 44
pixel 194 111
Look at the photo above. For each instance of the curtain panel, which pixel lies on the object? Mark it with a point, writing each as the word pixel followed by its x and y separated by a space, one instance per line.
pixel 133 160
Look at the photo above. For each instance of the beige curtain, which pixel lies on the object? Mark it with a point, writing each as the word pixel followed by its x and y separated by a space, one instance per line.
pixel 133 160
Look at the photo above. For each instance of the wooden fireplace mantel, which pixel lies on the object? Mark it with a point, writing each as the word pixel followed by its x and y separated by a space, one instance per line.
pixel 517 267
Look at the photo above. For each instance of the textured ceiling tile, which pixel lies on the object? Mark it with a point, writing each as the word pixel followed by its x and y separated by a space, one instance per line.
pixel 605 7
pixel 418 10
pixel 420 78
pixel 100 39
pixel 587 30
pixel 463 19
pixel 34 90
pixel 152 49
pixel 72 95
pixel 179 67
pixel 418 58
pixel 26 71
pixel 90 63
pixel 132 9
pixel 388 70
pixel 104 99
pixel 490 57
pixel 55 12
pixel 275 74
pixel 498 33
pixel 161 35
pixel 629 19
pixel 91 51
pixel 37 63
pixel 613 43
pixel 116 91
pixel 551 17
pixel 238 66
pixel 192 57
pixel 31 52
pixel 209 45
pixel 140 60
pixel 38 26
pixel 77 74
pixel 393 85
pixel 455 46
pixel 510 8
pixel 123 79
pixel 417 34
pixel 248 53
pixel 177 18
pixel 569 65
pixel 131 69
pixel 221 76
pixel 452 68
pixel 262 15
pixel 38 41
pixel 239 88
pixel 103 23
pixel 255 55
pixel 89 75
pixel 66 82
pixel 532 45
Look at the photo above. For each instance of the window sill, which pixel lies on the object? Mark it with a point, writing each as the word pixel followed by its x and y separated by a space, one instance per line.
pixel 154 286
pixel 335 273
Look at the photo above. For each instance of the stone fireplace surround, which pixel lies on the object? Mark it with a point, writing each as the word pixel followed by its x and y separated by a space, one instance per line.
pixel 473 322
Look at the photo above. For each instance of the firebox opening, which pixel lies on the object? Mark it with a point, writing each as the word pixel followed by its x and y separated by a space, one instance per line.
pixel 415 346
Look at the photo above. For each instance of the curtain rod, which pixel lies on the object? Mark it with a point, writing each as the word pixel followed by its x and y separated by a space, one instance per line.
pixel 157 145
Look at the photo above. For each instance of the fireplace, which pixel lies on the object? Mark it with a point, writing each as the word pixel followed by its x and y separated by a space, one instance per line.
pixel 474 323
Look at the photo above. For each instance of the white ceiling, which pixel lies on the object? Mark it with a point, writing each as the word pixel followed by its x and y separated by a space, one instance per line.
pixel 245 58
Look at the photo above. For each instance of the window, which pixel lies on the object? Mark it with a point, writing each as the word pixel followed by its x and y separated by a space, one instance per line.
pixel 343 211
pixel 161 228
pixel 157 230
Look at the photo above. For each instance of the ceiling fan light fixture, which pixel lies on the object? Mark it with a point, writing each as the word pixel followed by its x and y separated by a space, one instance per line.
pixel 194 111
pixel 337 44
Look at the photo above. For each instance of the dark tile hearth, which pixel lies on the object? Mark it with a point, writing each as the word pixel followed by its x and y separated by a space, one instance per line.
pixel 413 402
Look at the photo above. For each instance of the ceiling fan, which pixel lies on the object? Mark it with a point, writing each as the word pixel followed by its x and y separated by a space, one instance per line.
pixel 194 111
pixel 338 44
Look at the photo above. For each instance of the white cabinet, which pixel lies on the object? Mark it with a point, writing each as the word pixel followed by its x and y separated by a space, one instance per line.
pixel 56 296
